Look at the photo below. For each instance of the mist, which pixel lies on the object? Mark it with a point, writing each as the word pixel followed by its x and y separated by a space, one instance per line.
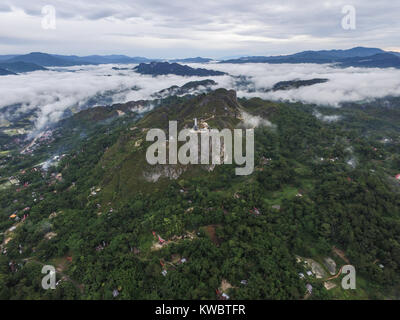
pixel 344 85
pixel 48 94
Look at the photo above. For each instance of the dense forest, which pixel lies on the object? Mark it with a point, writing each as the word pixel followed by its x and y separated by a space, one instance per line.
pixel 320 189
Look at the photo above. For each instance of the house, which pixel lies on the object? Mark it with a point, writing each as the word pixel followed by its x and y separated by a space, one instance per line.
pixel 164 272
pixel 14 181
pixel 244 282
pixel 255 211
pixel 309 273
pixel 398 177
pixel 115 293
pixel 224 296
pixel 301 275
pixel 309 288
pixel 161 240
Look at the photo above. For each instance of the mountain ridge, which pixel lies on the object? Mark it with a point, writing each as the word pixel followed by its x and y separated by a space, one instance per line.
pixel 165 68
pixel 345 58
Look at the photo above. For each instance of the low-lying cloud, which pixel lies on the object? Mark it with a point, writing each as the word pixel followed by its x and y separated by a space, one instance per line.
pixel 48 94
pixel 325 118
pixel 344 85
pixel 254 121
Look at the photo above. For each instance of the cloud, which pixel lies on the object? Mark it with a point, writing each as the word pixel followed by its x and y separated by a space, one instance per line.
pixel 251 121
pixel 215 28
pixel 344 85
pixel 325 118
pixel 46 95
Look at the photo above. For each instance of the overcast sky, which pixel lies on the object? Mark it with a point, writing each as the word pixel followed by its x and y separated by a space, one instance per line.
pixel 183 28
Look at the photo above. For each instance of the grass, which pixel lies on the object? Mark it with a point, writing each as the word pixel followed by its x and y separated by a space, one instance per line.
pixel 5 185
pixel 279 196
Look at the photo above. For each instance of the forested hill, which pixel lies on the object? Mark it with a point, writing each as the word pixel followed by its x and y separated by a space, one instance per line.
pixel 321 189
pixel 164 68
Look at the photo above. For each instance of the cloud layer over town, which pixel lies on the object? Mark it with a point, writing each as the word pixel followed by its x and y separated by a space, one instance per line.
pixel 49 93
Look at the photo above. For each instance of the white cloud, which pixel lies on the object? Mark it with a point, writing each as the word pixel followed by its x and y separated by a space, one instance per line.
pixel 182 28
pixel 325 118
pixel 345 84
pixel 252 121
pixel 50 93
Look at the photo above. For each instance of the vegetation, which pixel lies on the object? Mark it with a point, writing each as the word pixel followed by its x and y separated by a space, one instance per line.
pixel 316 186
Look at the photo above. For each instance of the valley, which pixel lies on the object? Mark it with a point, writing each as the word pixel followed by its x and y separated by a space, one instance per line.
pixel 93 203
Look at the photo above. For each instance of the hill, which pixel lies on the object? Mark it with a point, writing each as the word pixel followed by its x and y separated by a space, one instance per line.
pixel 107 59
pixel 18 67
pixel 355 57
pixel 381 60
pixel 203 85
pixel 192 60
pixel 294 84
pixel 42 59
pixel 165 68
pixel 96 211
pixel 5 72
pixel 50 60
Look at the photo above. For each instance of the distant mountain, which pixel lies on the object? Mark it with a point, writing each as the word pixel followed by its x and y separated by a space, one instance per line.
pixel 43 59
pixel 97 59
pixel 4 72
pixel 205 85
pixel 50 60
pixel 381 60
pixel 7 56
pixel 294 84
pixel 354 52
pixel 352 57
pixel 17 67
pixel 192 60
pixel 164 68
pixel 117 59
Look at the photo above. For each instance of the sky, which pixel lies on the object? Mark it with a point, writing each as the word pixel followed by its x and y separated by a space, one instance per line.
pixel 208 28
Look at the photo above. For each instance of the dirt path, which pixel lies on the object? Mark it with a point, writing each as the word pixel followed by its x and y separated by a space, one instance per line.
pixel 335 276
pixel 341 254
